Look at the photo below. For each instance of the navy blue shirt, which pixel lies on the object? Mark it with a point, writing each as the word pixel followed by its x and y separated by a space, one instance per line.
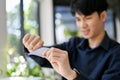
pixel 100 63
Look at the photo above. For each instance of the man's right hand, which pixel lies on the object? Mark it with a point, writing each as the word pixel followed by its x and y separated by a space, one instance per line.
pixel 32 42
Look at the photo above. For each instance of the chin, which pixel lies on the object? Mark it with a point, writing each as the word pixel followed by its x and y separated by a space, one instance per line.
pixel 86 37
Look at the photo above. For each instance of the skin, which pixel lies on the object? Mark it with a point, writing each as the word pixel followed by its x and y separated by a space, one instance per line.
pixel 91 27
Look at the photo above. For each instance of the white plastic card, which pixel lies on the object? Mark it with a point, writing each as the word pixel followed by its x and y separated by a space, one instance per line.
pixel 39 52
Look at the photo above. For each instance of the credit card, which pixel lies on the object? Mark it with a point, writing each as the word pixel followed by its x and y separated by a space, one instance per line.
pixel 39 52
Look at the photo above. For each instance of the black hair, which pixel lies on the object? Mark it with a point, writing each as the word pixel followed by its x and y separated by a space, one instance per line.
pixel 87 7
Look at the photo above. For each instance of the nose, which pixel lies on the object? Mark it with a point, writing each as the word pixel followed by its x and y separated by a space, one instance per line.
pixel 83 24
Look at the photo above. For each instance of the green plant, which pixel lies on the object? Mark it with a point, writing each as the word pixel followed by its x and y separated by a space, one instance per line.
pixel 18 66
pixel 71 33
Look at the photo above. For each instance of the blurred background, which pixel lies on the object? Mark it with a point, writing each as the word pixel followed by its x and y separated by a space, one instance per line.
pixel 52 21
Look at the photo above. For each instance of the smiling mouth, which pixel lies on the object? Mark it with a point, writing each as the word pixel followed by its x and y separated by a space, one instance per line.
pixel 86 32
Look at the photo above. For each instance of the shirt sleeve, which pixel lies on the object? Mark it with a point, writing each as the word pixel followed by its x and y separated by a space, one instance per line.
pixel 113 71
pixel 41 61
pixel 81 75
pixel 45 63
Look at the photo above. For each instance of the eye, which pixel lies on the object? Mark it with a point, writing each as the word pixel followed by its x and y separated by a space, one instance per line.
pixel 77 19
pixel 88 17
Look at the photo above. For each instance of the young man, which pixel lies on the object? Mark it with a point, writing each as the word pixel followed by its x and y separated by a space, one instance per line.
pixel 93 57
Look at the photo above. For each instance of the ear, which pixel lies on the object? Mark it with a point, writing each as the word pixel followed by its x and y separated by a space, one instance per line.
pixel 103 16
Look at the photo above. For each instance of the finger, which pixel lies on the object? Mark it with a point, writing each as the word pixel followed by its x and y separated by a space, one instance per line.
pixel 52 58
pixel 55 62
pixel 30 40
pixel 35 41
pixel 38 45
pixel 30 48
pixel 55 59
pixel 50 54
pixel 25 38
pixel 47 53
pixel 27 44
pixel 57 50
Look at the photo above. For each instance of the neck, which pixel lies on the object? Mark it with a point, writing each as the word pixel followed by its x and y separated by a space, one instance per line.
pixel 94 42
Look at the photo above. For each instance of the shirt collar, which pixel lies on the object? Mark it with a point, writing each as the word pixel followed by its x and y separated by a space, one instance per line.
pixel 83 44
pixel 104 43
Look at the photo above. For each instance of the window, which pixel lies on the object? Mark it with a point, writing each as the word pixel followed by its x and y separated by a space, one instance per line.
pixel 31 16
pixel 13 26
pixel 22 17
pixel 110 25
pixel 65 26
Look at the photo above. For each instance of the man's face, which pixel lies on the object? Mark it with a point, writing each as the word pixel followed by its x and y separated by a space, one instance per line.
pixel 91 26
